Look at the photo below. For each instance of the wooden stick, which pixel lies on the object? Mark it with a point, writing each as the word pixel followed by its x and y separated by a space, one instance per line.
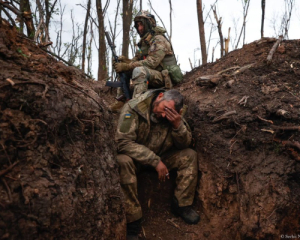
pixel 228 69
pixel 292 144
pixel 242 69
pixel 3 172
pixel 191 64
pixel 224 116
pixel 275 46
pixel 286 128
pixel 265 120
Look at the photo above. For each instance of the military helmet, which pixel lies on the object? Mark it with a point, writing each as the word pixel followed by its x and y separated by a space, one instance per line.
pixel 147 19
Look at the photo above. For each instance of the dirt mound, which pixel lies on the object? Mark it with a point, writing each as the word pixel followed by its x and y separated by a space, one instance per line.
pixel 58 175
pixel 245 115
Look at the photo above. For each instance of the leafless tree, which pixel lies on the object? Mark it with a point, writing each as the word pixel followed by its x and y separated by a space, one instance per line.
pixel 201 31
pixel 102 69
pixel 263 7
pixel 171 10
pixel 87 16
pixel 150 4
pixel 113 29
pixel 74 49
pixel 141 5
pixel 127 20
pixel 45 10
pixel 219 24
pixel 23 13
pixel 245 4
pixel 89 52
pixel 235 30
pixel 285 22
pixel 58 47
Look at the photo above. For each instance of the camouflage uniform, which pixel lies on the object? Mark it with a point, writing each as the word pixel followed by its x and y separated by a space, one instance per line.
pixel 153 55
pixel 141 141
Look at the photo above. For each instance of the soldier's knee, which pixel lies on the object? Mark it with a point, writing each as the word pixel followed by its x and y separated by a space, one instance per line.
pixel 138 72
pixel 192 157
pixel 124 160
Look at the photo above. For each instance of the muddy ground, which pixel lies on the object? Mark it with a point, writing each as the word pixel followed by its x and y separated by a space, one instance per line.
pixel 58 174
pixel 59 179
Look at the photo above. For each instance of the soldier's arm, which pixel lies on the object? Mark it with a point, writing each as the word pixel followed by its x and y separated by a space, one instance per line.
pixel 126 136
pixel 156 54
pixel 182 136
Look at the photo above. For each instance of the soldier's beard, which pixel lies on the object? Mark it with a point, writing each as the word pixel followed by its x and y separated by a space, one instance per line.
pixel 154 118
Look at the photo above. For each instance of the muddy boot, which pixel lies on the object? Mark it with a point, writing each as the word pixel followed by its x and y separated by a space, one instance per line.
pixel 189 215
pixel 116 106
pixel 133 229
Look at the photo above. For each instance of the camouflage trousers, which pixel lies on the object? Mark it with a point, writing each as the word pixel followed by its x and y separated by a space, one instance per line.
pixel 143 77
pixel 185 161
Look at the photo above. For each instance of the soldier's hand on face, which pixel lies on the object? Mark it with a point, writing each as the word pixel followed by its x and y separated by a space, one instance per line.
pixel 173 116
pixel 162 171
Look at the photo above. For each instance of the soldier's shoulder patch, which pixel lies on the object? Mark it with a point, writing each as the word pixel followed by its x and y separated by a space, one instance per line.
pixel 126 123
pixel 152 48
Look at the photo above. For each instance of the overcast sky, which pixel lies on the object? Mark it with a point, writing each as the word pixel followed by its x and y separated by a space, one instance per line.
pixel 185 33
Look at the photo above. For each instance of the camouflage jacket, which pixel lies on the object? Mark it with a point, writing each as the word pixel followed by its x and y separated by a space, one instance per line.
pixel 143 140
pixel 153 50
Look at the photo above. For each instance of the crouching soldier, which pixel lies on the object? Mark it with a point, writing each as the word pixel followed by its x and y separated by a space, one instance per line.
pixel 154 65
pixel 152 132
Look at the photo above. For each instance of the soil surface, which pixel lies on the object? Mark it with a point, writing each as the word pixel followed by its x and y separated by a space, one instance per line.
pixel 58 174
pixel 59 179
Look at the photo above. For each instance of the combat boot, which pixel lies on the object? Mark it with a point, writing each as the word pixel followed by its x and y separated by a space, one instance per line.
pixel 133 229
pixel 116 106
pixel 189 215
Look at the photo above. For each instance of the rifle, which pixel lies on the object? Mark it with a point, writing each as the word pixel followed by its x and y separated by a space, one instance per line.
pixel 123 83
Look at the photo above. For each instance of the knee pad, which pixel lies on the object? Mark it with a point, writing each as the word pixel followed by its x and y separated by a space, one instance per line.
pixel 138 72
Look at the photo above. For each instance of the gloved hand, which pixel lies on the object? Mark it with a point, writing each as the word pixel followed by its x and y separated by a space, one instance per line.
pixel 124 59
pixel 122 67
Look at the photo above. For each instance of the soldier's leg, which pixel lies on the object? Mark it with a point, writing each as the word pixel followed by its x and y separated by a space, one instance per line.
pixel 143 77
pixel 127 170
pixel 185 161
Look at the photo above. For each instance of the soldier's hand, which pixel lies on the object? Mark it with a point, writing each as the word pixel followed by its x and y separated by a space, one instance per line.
pixel 124 59
pixel 121 67
pixel 162 171
pixel 173 116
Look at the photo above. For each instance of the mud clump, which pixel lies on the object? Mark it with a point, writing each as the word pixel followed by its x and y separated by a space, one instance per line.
pixel 58 175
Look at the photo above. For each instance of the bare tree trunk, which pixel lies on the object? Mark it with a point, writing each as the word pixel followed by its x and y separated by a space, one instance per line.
pixel 285 22
pixel 263 7
pixel 127 19
pixel 201 31
pixel 84 34
pixel 49 9
pixel 141 5
pixel 102 69
pixel 89 54
pixel 171 10
pixel 227 41
pixel 219 22
pixel 22 9
pixel 246 4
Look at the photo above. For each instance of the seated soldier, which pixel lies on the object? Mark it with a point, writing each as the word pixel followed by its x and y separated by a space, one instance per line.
pixel 154 64
pixel 152 132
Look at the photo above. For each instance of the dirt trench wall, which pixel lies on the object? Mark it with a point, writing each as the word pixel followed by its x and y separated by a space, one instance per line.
pixel 249 186
pixel 58 175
